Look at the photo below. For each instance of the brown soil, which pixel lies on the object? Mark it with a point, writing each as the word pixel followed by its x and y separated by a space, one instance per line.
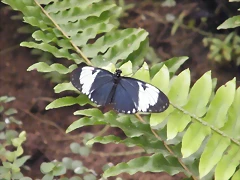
pixel 46 140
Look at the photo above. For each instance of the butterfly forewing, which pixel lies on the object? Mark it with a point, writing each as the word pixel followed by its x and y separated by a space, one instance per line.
pixel 94 82
pixel 146 98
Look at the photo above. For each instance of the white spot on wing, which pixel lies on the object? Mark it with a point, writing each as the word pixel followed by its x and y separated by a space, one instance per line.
pixel 87 78
pixel 147 97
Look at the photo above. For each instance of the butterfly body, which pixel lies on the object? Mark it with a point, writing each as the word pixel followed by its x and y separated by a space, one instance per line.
pixel 127 95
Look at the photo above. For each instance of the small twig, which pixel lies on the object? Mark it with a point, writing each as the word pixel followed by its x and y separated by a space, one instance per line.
pixel 48 99
pixel 140 118
pixel 66 136
pixel 157 18
pixel 100 133
pixel 69 137
pixel 167 147
pixel 4 51
pixel 172 153
pixel 204 123
pixel 125 153
pixel 43 121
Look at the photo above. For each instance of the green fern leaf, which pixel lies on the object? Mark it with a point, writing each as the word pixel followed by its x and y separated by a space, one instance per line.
pixel 94 112
pixel 64 87
pixel 228 164
pixel 154 163
pixel 44 67
pixel 202 87
pixel 212 153
pixel 68 101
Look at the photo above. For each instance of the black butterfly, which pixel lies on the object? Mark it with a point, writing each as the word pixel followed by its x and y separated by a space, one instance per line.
pixel 127 95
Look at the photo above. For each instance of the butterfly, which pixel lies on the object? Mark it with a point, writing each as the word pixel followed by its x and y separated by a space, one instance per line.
pixel 126 94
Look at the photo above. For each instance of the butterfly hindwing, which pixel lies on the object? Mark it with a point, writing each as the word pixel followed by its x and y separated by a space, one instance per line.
pixel 123 101
pixel 101 95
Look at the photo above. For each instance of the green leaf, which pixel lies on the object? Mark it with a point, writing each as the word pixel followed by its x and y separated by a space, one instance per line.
pixel 109 116
pixel 230 23
pixel 177 122
pixel 47 167
pixel 143 73
pixel 67 162
pixel 75 147
pixel 104 140
pixel 79 170
pixel 10 156
pixel 7 99
pixel 120 51
pixel 157 119
pixel 10 111
pixel 1 109
pixel 232 125
pixel 7 165
pixel 174 63
pixel 64 87
pixel 26 178
pixel 19 151
pixel 76 13
pixel 44 67
pixel 59 53
pixel 137 56
pixel 228 163
pixel 219 106
pixel 3 98
pixel 203 86
pixel 59 170
pixel 84 151
pixel 20 161
pixel 180 86
pixel 75 178
pixel 94 112
pixel 212 153
pixel 236 176
pixel 83 122
pixel 68 101
pixel 76 164
pixel 154 163
pixel 161 80
pixel 89 177
pixel 109 40
pixel 2 126
pixel 10 134
pixel 195 134
pixel 48 177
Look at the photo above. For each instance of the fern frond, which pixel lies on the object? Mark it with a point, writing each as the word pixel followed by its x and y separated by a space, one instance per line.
pixel 65 27
pixel 199 121
pixel 154 163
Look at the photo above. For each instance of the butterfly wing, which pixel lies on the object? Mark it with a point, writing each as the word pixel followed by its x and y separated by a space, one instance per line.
pixel 122 100
pixel 95 82
pixel 140 96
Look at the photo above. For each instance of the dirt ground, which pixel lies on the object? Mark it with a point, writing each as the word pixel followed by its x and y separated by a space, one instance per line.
pixel 46 140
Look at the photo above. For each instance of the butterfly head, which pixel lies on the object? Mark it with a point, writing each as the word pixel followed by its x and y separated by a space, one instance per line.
pixel 118 73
